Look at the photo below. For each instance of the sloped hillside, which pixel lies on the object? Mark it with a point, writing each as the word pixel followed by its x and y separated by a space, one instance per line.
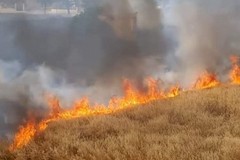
pixel 197 125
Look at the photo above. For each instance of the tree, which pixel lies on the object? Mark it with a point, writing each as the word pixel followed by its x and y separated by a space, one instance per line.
pixel 78 4
pixel 91 3
pixel 45 4
pixel 10 3
pixel 68 4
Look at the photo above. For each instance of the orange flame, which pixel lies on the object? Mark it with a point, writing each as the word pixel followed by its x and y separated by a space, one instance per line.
pixel 132 97
pixel 24 135
pixel 174 91
pixel 235 72
pixel 206 80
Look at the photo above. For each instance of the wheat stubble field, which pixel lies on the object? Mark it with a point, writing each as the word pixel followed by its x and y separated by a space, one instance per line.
pixel 197 125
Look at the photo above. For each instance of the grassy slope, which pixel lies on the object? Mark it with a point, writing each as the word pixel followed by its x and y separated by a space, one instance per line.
pixel 201 125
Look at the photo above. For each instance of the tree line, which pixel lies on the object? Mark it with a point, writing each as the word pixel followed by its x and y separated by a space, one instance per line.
pixel 45 4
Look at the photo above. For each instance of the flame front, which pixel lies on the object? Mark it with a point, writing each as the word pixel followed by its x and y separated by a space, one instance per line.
pixel 235 72
pixel 132 97
pixel 206 80
pixel 24 135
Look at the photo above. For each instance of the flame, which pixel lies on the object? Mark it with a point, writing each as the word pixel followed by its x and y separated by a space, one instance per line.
pixel 174 91
pixel 206 80
pixel 24 135
pixel 235 72
pixel 133 96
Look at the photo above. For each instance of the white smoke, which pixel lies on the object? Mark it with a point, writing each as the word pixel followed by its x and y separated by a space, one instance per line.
pixel 207 32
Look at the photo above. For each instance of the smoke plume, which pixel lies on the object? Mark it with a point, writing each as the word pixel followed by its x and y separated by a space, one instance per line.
pixel 208 33
pixel 72 57
pixel 89 54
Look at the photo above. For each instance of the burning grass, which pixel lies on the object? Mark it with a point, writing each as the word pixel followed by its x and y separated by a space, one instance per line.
pixel 216 107
pixel 195 125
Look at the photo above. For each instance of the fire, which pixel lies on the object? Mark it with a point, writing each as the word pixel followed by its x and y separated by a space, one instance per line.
pixel 174 91
pixel 24 135
pixel 206 80
pixel 235 72
pixel 133 96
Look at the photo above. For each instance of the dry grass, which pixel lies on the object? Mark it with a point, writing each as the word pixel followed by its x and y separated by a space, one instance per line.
pixel 202 125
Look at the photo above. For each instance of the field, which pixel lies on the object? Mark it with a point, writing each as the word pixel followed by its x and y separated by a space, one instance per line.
pixel 197 125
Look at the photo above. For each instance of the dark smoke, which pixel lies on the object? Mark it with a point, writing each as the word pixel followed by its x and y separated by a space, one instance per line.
pixel 75 56
pixel 102 41
pixel 89 54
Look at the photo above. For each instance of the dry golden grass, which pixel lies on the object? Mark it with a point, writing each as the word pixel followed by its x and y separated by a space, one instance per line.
pixel 199 125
